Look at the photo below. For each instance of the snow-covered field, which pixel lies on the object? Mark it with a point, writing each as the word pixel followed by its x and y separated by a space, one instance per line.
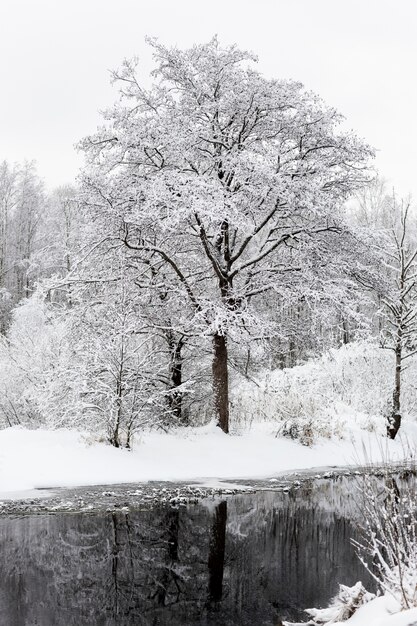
pixel 51 458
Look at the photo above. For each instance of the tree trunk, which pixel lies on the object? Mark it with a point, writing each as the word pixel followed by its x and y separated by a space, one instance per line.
pixel 115 428
pixel 345 331
pixel 221 381
pixel 394 421
pixel 114 438
pixel 175 397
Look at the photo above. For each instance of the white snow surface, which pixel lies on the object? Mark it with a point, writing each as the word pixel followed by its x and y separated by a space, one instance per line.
pixel 41 458
pixel 382 611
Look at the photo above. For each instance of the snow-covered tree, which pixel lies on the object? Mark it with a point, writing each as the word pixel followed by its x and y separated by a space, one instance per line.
pixel 36 368
pixel 218 173
pixel 26 219
pixel 8 175
pixel 22 203
pixel 400 300
pixel 61 234
pixel 391 228
pixel 119 386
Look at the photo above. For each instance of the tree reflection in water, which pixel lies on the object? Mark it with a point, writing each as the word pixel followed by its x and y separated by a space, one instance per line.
pixel 254 559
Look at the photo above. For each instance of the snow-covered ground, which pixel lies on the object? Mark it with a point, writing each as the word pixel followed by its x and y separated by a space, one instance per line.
pixel 334 405
pixel 381 611
pixel 51 458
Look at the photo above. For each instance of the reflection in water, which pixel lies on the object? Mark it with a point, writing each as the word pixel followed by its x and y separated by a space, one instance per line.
pixel 252 560
pixel 216 553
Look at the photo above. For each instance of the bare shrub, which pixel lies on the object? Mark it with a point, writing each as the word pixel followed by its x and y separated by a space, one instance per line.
pixel 388 549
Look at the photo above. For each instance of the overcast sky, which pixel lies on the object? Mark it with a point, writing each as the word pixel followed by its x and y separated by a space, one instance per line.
pixel 55 57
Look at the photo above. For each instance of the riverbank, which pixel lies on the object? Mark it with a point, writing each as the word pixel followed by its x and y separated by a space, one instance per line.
pixel 384 610
pixel 48 459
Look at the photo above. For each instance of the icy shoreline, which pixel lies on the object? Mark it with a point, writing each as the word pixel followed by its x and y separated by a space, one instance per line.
pixel 39 459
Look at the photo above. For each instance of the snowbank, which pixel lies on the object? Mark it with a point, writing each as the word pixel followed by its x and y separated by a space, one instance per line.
pixel 374 611
pixel 382 611
pixel 52 458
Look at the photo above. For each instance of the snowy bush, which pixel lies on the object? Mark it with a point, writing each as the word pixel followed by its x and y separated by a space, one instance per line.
pixel 35 374
pixel 352 384
pixel 91 371
pixel 389 547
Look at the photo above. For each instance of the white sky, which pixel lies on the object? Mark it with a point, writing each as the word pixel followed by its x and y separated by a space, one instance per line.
pixel 55 57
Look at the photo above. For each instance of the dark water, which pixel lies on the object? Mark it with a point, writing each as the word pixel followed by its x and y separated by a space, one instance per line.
pixel 248 560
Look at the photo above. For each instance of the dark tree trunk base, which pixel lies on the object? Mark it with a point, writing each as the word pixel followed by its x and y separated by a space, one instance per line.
pixel 175 398
pixel 221 382
pixel 393 426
